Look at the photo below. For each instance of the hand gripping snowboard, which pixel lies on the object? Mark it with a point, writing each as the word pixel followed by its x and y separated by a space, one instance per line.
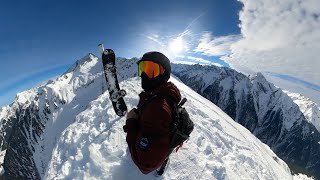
pixel 110 72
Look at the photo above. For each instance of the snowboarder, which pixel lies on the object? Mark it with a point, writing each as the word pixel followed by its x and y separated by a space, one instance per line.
pixel 148 130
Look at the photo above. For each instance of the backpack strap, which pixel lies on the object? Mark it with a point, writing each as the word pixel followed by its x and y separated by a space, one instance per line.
pixel 171 103
pixel 153 97
pixel 147 100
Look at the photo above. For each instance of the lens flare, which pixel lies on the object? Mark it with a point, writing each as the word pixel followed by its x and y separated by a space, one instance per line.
pixel 176 45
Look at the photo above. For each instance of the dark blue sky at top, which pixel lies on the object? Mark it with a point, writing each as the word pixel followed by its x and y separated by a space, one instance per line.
pixel 44 38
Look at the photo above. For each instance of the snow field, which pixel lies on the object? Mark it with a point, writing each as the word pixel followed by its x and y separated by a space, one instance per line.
pixel 84 139
pixel 94 146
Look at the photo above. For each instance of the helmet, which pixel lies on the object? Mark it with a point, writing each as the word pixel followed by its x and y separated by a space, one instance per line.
pixel 157 57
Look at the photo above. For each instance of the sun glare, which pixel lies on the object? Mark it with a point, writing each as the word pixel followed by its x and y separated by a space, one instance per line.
pixel 176 45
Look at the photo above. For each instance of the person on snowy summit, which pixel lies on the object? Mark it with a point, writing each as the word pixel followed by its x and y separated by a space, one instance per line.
pixel 148 130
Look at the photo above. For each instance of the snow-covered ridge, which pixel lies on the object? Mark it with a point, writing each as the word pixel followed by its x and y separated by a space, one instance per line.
pixel 4 111
pixel 268 97
pixel 51 108
pixel 94 145
pixel 205 76
pixel 309 108
pixel 264 109
pixel 67 129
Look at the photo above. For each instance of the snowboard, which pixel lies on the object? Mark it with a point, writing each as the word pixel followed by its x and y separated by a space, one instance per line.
pixel 110 72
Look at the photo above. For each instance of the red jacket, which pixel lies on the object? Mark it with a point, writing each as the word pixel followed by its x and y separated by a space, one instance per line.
pixel 148 137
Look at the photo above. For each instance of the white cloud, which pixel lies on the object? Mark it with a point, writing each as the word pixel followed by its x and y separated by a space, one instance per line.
pixel 216 46
pixel 201 60
pixel 281 36
pixel 154 38
pixel 194 60
pixel 180 56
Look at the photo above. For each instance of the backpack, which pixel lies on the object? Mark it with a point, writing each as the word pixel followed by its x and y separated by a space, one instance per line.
pixel 181 125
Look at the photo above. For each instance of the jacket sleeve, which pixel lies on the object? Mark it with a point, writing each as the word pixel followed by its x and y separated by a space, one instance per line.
pixel 131 128
pixel 153 137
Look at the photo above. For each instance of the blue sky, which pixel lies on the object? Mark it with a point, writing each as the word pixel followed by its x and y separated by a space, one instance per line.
pixel 41 39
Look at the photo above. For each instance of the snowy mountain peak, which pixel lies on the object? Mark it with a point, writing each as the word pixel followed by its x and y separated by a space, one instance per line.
pixel 264 109
pixel 4 111
pixel 309 108
pixel 67 129
pixel 24 97
pixel 76 66
pixel 261 83
pixel 42 115
pixel 257 75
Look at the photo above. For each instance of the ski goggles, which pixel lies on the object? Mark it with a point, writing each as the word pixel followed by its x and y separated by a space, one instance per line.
pixel 151 69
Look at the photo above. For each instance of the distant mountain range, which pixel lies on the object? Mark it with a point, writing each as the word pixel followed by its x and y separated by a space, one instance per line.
pixel 309 108
pixel 32 126
pixel 268 112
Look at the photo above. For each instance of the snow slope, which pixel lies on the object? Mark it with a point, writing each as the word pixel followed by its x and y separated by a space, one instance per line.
pixel 32 124
pixel 43 113
pixel 69 130
pixel 94 147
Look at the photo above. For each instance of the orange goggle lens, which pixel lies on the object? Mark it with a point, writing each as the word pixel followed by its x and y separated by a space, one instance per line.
pixel 151 68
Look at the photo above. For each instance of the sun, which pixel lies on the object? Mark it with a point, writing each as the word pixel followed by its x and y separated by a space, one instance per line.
pixel 176 45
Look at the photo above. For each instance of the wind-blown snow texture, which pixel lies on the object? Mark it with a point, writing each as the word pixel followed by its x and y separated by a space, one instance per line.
pixel 219 148
pixel 265 110
pixel 31 127
pixel 67 129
